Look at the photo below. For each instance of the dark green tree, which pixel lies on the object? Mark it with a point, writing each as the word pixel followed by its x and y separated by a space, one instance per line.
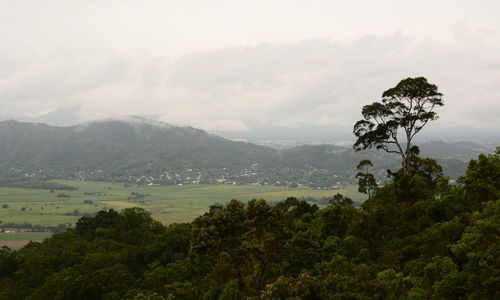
pixel 366 181
pixel 481 182
pixel 392 124
pixel 340 199
pixel 421 182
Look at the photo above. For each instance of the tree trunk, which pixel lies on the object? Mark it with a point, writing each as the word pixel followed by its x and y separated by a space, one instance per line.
pixel 406 164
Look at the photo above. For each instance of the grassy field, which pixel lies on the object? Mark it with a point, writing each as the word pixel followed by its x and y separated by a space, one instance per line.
pixel 168 204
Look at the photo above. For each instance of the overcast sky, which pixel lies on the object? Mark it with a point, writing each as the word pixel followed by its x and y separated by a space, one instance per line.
pixel 244 66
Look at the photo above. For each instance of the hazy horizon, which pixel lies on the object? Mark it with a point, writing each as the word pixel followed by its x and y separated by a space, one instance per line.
pixel 280 137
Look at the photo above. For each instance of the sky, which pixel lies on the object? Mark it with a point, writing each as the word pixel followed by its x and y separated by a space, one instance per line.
pixel 277 69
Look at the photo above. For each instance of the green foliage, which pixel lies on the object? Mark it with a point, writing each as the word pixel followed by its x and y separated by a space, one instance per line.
pixel 440 243
pixel 367 184
pixel 408 107
pixel 481 182
pixel 478 251
pixel 420 182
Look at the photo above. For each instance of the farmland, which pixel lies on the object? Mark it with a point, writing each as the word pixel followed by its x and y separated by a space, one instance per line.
pixel 15 240
pixel 168 204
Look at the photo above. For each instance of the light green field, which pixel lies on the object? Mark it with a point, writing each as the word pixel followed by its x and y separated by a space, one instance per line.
pixel 168 204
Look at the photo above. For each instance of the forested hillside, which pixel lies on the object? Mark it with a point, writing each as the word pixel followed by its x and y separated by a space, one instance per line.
pixel 119 148
pixel 415 238
pixel 140 151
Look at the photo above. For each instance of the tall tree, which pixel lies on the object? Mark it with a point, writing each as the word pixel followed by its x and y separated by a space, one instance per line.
pixel 367 184
pixel 392 124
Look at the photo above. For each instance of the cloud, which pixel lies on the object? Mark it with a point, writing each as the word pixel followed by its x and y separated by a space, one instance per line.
pixel 309 83
pixel 320 82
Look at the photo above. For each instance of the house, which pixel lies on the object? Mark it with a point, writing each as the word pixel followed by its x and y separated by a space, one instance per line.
pixel 10 230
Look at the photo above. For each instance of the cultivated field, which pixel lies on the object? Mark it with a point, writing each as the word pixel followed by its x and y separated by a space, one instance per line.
pixel 168 204
pixel 15 240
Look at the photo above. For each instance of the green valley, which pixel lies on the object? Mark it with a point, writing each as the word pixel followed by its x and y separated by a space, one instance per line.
pixel 168 204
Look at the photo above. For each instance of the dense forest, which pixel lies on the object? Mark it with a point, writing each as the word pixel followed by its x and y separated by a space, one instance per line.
pixel 417 237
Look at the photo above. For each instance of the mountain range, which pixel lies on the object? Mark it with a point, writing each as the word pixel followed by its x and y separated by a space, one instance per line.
pixel 135 150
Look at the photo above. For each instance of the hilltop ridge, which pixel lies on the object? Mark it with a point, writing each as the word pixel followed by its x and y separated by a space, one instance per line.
pixel 137 150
